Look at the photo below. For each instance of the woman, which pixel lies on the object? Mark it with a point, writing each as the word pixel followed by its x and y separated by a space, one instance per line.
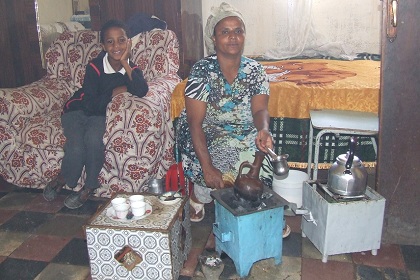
pixel 226 118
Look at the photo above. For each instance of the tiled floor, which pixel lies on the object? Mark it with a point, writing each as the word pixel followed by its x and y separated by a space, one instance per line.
pixel 44 240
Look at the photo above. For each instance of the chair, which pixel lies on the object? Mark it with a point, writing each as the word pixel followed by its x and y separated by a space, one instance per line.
pixel 339 122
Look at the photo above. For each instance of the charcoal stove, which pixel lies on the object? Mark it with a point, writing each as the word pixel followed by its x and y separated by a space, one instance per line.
pixel 248 231
pixel 338 224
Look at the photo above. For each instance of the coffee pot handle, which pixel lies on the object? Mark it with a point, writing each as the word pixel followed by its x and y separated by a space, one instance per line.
pixel 245 164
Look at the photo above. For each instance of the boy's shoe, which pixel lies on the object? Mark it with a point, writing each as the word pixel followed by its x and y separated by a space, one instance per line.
pixel 53 188
pixel 77 199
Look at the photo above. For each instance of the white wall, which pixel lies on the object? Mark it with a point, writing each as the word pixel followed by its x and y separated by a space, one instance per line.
pixel 356 23
pixel 50 11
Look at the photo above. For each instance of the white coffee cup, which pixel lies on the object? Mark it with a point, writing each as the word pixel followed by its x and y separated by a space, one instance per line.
pixel 136 197
pixel 138 208
pixel 121 210
pixel 118 201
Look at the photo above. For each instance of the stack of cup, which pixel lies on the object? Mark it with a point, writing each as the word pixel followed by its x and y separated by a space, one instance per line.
pixel 138 206
pixel 120 206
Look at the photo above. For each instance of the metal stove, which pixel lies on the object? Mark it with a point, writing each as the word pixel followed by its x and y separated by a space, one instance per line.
pixel 338 224
pixel 248 232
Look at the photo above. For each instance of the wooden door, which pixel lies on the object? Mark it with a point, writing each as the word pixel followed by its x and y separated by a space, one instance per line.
pixel 19 44
pixel 398 170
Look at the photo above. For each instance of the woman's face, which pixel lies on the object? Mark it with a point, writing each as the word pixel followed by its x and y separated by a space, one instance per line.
pixel 229 36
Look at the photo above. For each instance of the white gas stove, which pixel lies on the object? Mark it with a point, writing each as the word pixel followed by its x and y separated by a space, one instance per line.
pixel 338 225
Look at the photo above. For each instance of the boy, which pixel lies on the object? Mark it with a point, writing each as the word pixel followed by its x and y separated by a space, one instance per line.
pixel 84 114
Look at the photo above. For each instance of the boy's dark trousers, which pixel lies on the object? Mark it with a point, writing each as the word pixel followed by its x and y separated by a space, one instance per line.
pixel 84 147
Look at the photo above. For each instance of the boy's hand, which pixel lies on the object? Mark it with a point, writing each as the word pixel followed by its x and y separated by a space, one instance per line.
pixel 126 55
pixel 119 90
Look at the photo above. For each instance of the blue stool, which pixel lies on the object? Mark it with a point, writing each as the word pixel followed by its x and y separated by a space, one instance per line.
pixel 339 122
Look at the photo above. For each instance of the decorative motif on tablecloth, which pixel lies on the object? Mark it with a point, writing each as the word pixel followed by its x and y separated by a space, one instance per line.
pixel 304 73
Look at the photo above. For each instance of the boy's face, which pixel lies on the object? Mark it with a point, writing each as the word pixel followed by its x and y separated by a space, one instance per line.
pixel 115 43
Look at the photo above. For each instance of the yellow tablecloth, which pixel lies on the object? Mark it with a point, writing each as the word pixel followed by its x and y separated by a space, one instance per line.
pixel 297 86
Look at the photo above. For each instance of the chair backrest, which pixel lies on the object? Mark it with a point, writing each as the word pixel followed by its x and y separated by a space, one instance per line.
pixel 156 52
pixel 68 55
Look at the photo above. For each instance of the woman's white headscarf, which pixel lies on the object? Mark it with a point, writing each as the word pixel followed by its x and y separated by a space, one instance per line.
pixel 217 14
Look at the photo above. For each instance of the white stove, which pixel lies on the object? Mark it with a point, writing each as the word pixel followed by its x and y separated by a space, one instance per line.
pixel 342 225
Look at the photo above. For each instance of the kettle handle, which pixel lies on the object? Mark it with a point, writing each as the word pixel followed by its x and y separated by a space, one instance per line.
pixel 350 158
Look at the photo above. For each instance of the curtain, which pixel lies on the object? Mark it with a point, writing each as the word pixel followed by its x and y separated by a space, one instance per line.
pixel 302 39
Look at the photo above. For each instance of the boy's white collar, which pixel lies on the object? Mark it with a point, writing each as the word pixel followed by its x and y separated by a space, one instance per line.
pixel 108 68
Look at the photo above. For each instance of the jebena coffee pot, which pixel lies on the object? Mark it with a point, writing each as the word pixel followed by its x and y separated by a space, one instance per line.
pixel 347 176
pixel 248 186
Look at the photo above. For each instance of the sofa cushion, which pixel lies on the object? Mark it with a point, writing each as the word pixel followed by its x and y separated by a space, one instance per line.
pixel 42 132
pixel 86 47
pixel 156 52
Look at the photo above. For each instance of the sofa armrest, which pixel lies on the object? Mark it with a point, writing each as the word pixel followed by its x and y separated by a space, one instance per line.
pixel 29 101
pixel 139 137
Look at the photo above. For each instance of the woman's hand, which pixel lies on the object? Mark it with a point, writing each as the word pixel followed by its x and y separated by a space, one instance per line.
pixel 264 140
pixel 213 178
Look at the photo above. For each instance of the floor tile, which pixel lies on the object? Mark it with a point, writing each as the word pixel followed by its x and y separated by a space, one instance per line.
pixel 311 252
pixel 364 272
pixel 16 201
pixel 6 214
pixel 411 255
pixel 229 271
pixel 12 269
pixel 295 223
pixel 332 270
pixel 181 277
pixel 292 245
pixel 63 225
pixel 40 248
pixel 55 271
pixel 9 241
pixel 413 275
pixel 6 186
pixel 39 204
pixel 289 269
pixel 390 273
pixel 388 256
pixel 88 209
pixel 75 253
pixel 200 234
pixel 25 221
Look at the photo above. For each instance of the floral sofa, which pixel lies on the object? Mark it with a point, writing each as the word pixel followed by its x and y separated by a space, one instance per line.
pixel 139 135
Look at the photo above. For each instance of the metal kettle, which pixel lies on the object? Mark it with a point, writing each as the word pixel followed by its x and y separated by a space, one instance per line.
pixel 347 176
